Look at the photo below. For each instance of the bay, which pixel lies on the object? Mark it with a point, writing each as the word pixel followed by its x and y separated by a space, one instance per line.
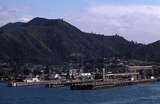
pixel 136 94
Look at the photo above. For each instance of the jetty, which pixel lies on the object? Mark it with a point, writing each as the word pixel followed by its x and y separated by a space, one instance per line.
pixel 108 84
pixel 48 83
pixel 24 84
pixel 83 85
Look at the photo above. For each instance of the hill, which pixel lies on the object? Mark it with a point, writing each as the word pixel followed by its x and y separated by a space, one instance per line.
pixel 51 41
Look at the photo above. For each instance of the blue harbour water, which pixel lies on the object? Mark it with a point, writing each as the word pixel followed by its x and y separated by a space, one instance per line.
pixel 137 94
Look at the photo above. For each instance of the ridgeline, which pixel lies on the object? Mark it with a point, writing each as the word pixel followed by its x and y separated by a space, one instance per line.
pixel 51 41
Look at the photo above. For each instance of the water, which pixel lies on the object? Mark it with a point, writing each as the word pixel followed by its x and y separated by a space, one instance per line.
pixel 137 94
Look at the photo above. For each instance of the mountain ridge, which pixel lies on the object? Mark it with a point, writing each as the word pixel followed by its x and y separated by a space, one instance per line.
pixel 51 41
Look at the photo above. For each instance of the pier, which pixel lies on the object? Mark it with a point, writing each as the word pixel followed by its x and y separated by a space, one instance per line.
pixel 83 85
pixel 25 84
pixel 107 84
pixel 48 84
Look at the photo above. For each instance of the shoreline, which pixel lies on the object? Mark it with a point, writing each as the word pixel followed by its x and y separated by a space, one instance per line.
pixel 85 85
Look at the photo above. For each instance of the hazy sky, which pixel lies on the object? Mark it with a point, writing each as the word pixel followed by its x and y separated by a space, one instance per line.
pixel 137 20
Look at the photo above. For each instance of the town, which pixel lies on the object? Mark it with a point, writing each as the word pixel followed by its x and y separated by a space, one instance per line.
pixel 81 74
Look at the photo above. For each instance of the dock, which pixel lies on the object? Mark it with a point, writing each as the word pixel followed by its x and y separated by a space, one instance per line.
pixel 83 85
pixel 47 84
pixel 107 84
pixel 24 84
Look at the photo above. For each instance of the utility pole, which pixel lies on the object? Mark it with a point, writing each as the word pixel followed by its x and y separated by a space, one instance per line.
pixel 104 73
pixel 82 65
pixel 104 68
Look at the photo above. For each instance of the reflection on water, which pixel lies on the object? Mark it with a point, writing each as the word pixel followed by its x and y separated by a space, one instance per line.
pixel 137 94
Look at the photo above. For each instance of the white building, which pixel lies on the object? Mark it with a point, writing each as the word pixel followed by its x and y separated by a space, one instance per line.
pixel 85 74
pixel 31 80
pixel 57 76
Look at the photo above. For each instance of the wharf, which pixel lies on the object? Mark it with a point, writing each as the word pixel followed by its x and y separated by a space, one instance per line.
pixel 23 84
pixel 66 83
pixel 82 85
pixel 108 84
pixel 48 83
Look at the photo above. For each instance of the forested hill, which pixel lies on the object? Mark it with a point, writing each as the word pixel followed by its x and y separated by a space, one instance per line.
pixel 53 40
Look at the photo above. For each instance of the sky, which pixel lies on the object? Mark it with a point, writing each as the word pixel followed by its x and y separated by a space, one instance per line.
pixel 137 20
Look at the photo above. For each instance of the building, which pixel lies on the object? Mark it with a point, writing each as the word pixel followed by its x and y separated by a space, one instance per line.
pixel 31 80
pixel 86 76
pixel 144 72
pixel 122 76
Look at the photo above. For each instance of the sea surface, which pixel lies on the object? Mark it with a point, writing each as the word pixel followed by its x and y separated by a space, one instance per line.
pixel 136 94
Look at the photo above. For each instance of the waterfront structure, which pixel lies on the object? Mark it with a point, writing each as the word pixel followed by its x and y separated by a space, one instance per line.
pixel 144 72
pixel 57 76
pixel 86 76
pixel 122 76
pixel 31 80
pixel 135 73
